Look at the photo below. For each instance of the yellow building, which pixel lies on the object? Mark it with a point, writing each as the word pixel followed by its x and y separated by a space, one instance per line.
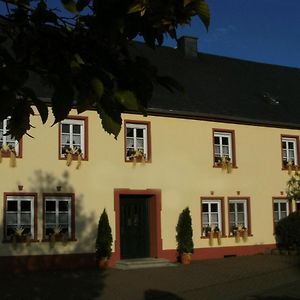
pixel 223 150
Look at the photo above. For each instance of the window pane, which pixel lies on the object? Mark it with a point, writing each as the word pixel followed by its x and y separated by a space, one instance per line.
pixel 129 132
pixel 225 150
pixel 283 145
pixel 11 218
pixel 50 205
pixel 290 145
pixel 25 205
pixel 214 218
pixel 50 218
pixel 225 141
pixel 241 219
pixel 65 128
pixel 63 218
pixel 25 218
pixel 217 140
pixel 140 133
pixel 240 207
pixel 231 207
pixel 65 139
pixel 63 206
pixel 214 207
pixel 130 142
pixel 217 150
pixel 12 205
pixel 275 206
pixel 232 218
pixel 76 139
pixel 205 219
pixel 76 129
pixel 204 207
pixel 140 143
pixel 283 206
pixel 283 214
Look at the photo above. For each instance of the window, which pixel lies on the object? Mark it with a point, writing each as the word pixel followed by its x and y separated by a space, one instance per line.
pixel 73 136
pixel 20 217
pixel 238 215
pixel 223 146
pixel 7 141
pixel 280 209
pixel 59 216
pixel 137 140
pixel 289 145
pixel 211 215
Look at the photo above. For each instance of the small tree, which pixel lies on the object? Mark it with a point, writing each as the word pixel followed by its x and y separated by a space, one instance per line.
pixel 184 231
pixel 293 187
pixel 104 237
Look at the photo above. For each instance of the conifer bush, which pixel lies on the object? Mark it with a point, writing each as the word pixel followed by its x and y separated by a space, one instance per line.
pixel 104 237
pixel 184 236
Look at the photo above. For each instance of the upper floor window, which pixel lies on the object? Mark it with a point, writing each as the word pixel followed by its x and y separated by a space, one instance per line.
pixel 137 139
pixel 20 218
pixel 238 215
pixel 73 137
pixel 280 209
pixel 224 151
pixel 58 216
pixel 211 216
pixel 7 143
pixel 289 147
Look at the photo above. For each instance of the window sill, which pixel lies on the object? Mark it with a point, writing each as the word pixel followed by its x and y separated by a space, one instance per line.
pixel 139 161
pixel 215 237
pixel 220 167
pixel 233 236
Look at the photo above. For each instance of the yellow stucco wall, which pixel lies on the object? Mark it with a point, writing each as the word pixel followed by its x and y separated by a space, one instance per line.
pixel 182 167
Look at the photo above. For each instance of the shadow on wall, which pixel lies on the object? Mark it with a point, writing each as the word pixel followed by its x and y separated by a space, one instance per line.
pixel 80 253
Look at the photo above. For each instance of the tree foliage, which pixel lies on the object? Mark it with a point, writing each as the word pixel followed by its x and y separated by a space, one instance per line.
pixel 82 56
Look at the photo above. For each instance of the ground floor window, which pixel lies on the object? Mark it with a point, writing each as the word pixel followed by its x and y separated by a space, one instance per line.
pixel 59 216
pixel 238 215
pixel 20 217
pixel 280 209
pixel 211 210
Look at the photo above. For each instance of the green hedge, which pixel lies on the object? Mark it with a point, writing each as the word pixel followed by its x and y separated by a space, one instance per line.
pixel 288 232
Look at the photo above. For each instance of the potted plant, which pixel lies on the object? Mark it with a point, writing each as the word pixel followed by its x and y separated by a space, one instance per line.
pixel 184 236
pixel 103 241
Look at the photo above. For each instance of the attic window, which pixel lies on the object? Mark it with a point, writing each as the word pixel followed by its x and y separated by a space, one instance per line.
pixel 270 99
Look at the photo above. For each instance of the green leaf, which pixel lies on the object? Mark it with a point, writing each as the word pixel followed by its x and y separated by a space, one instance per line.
pixel 203 12
pixel 110 124
pixel 128 99
pixel 136 7
pixel 70 6
pixel 97 87
pixel 40 105
pixel 62 101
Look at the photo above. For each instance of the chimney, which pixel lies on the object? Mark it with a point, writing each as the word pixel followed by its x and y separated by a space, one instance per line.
pixel 187 45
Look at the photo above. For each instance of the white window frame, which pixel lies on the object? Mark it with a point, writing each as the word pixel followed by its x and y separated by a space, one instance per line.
pixel 4 139
pixel 279 211
pixel 72 122
pixel 56 199
pixel 219 212
pixel 220 135
pixel 136 126
pixel 18 199
pixel 287 157
pixel 245 212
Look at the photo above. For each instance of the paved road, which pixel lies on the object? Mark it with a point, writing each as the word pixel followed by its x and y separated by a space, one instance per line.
pixel 262 277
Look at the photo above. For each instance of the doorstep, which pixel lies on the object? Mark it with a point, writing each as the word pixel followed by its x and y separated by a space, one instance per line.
pixel 143 263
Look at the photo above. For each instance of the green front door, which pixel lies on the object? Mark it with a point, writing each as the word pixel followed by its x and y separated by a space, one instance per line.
pixel 134 226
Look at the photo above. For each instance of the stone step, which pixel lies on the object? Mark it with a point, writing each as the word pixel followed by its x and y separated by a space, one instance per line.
pixel 142 263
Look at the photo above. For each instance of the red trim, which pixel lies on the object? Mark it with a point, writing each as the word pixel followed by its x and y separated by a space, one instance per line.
pixel 232 133
pixel 220 252
pixel 154 218
pixel 34 195
pixel 86 148
pixel 283 167
pixel 148 124
pixel 59 195
pixel 248 212
pixel 221 199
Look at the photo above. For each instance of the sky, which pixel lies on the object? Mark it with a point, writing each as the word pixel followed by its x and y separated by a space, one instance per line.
pixel 258 30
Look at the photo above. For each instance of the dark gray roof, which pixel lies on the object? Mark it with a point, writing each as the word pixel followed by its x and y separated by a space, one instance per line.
pixel 221 88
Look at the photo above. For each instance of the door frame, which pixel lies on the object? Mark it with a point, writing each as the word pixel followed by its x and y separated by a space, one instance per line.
pixel 154 219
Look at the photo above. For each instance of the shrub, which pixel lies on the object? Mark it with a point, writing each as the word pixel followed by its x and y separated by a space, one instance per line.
pixel 184 231
pixel 288 231
pixel 104 237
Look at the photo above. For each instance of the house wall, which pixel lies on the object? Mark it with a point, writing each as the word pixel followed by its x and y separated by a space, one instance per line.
pixel 181 168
